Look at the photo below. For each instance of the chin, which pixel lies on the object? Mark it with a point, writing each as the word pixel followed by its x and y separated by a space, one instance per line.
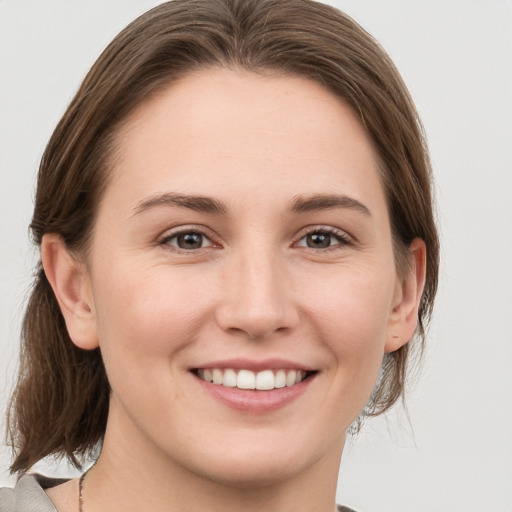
pixel 252 474
pixel 262 465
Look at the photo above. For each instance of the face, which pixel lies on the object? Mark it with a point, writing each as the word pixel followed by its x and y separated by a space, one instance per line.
pixel 243 241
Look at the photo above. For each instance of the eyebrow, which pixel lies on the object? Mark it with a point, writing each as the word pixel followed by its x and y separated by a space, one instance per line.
pixel 204 204
pixel 197 203
pixel 304 204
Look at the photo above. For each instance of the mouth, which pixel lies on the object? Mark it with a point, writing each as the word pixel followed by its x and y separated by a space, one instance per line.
pixel 255 387
pixel 264 380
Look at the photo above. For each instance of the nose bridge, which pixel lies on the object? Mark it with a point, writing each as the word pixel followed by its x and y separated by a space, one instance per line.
pixel 257 300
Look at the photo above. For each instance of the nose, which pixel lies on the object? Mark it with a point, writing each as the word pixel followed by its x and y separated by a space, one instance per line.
pixel 257 297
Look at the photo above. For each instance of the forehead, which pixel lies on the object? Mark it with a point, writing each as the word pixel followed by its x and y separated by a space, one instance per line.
pixel 217 130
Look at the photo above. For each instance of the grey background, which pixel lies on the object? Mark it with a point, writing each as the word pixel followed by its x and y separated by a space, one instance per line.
pixel 454 453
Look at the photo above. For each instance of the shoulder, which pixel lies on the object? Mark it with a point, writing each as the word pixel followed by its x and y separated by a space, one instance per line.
pixel 28 495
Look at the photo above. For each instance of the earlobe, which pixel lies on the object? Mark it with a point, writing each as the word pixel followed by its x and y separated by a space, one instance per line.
pixel 404 317
pixel 70 283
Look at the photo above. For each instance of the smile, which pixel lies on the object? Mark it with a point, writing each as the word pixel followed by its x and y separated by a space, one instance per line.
pixel 265 380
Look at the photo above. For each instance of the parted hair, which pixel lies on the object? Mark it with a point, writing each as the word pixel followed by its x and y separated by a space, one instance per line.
pixel 60 403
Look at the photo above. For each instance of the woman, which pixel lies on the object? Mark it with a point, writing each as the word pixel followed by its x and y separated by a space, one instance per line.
pixel 237 248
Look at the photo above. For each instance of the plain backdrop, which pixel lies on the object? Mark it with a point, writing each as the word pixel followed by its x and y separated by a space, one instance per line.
pixel 453 452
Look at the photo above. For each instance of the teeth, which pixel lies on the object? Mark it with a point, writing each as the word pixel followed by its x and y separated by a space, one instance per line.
pixel 218 376
pixel 291 377
pixel 280 379
pixel 265 380
pixel 230 378
pixel 247 379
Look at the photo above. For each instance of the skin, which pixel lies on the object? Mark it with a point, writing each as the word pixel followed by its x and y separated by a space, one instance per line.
pixel 258 288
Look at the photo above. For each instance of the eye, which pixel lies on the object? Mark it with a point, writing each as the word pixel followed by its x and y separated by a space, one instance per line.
pixel 323 239
pixel 187 240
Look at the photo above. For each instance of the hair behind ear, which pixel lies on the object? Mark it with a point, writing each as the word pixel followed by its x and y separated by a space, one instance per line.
pixel 60 406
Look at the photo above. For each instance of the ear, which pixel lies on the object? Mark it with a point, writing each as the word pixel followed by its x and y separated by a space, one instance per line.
pixel 69 279
pixel 408 292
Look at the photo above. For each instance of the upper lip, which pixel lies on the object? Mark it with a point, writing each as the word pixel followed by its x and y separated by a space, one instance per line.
pixel 255 366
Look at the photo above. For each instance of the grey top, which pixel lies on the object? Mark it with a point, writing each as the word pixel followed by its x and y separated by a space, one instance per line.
pixel 28 495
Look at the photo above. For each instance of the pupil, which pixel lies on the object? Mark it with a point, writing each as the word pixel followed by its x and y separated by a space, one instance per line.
pixel 190 241
pixel 319 240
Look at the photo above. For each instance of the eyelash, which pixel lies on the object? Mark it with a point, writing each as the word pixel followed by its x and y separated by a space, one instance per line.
pixel 166 239
pixel 342 238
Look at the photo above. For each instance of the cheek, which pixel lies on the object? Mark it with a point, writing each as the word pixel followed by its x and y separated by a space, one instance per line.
pixel 352 309
pixel 146 319
pixel 349 316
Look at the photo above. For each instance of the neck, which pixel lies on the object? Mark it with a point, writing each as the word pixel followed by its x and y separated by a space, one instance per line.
pixel 133 475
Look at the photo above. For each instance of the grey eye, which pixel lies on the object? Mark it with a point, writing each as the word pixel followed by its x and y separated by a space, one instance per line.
pixel 324 239
pixel 319 240
pixel 188 240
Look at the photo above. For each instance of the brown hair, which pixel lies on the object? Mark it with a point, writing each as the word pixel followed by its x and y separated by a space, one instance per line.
pixel 60 405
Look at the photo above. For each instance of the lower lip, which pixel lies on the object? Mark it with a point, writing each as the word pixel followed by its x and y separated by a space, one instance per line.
pixel 255 401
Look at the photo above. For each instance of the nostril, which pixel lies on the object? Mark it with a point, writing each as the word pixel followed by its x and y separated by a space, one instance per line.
pixel 256 298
